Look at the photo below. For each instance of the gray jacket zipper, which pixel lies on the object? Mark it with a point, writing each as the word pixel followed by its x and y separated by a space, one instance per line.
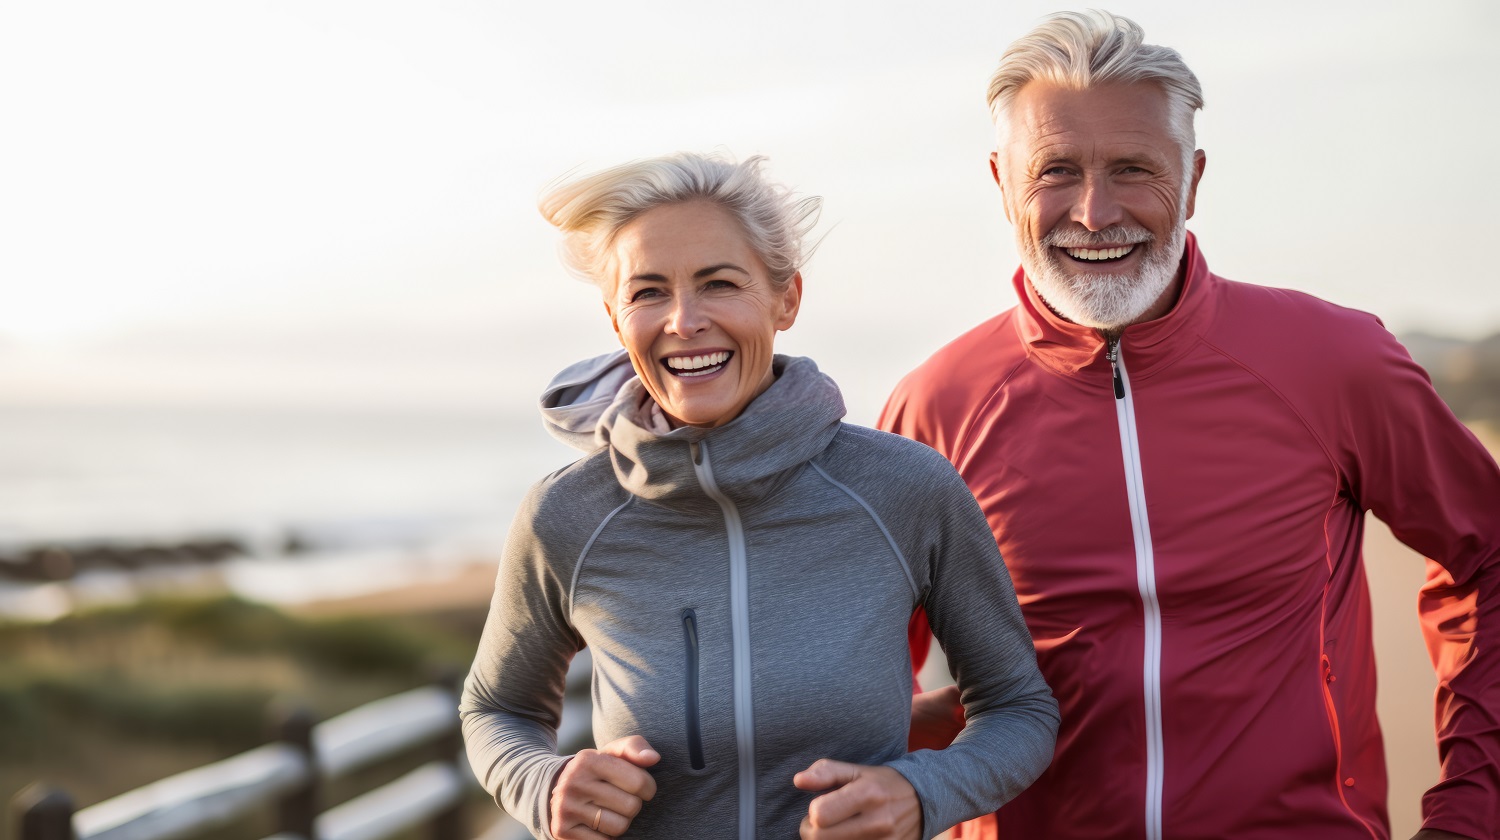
pixel 739 613
pixel 1145 572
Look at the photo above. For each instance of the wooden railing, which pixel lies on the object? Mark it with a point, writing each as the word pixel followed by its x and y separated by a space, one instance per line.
pixel 287 774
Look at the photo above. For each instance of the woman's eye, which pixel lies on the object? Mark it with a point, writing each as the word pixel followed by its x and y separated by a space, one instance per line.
pixel 644 293
pixel 718 284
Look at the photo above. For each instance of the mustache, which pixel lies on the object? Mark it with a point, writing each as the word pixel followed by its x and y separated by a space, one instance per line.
pixel 1085 238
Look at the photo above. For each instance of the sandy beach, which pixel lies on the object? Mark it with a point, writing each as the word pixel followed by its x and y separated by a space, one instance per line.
pixel 458 588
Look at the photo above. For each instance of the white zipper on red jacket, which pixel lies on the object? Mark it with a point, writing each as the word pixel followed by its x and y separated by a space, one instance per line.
pixel 1145 573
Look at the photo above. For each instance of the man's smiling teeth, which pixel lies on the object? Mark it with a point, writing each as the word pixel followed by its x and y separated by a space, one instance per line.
pixel 1101 254
pixel 697 365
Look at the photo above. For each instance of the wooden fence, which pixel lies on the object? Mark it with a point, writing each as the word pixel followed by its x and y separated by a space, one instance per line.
pixel 288 773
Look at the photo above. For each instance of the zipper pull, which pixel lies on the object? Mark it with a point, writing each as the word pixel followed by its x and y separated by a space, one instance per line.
pixel 1114 363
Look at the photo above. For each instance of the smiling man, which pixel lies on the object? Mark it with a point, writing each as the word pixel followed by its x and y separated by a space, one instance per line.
pixel 1177 467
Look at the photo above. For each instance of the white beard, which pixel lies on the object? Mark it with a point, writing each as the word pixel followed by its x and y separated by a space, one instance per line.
pixel 1103 301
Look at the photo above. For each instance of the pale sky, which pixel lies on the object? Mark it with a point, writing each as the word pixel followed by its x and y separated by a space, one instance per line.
pixel 334 202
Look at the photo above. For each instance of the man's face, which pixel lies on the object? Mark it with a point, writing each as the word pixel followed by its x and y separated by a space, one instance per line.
pixel 1094 182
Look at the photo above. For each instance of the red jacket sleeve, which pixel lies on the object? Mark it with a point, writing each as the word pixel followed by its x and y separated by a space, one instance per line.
pixel 1425 475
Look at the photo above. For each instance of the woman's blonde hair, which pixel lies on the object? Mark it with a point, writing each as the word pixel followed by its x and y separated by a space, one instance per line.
pixel 591 210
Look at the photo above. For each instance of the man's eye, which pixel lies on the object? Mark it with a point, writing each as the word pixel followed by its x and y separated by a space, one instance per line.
pixel 1054 171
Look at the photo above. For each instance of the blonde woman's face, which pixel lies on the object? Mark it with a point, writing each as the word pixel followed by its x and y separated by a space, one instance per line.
pixel 696 310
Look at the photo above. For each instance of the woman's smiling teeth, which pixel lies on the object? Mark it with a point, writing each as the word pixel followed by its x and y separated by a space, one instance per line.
pixel 1099 254
pixel 697 365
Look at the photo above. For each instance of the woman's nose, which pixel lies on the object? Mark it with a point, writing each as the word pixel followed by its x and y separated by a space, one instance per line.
pixel 687 317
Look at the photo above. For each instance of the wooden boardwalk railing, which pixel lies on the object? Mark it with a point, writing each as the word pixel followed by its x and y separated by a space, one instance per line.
pixel 287 775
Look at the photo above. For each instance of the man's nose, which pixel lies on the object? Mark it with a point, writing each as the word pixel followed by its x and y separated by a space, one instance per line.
pixel 1097 207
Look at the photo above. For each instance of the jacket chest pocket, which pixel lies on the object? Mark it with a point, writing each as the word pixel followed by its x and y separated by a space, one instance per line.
pixel 692 704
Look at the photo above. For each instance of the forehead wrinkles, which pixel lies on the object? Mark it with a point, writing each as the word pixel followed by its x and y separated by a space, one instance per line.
pixel 1094 121
pixel 1097 150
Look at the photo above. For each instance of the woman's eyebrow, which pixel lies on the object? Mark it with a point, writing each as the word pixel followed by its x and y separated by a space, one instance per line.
pixel 713 269
pixel 697 275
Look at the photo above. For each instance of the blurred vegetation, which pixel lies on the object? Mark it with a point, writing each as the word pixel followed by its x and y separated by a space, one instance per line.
pixel 1465 373
pixel 102 702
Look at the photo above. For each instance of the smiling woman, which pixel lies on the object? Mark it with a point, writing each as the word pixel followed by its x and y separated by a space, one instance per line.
pixel 722 519
pixel 696 286
pixel 697 310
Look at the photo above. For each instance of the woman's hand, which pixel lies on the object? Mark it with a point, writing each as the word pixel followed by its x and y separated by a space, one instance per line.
pixel 869 802
pixel 599 792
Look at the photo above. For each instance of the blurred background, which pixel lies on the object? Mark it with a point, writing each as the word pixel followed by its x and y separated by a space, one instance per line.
pixel 276 303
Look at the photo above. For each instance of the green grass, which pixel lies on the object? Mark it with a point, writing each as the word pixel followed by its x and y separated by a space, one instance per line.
pixel 104 701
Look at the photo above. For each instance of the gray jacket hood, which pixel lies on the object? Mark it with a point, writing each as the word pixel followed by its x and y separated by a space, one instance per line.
pixel 575 399
pixel 600 402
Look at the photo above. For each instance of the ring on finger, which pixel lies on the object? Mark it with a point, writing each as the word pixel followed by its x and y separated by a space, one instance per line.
pixel 598 815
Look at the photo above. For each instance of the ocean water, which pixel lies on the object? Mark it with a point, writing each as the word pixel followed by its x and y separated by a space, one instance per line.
pixel 372 491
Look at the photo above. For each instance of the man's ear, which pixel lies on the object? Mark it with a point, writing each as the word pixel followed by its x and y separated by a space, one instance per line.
pixel 1000 182
pixel 791 302
pixel 1200 160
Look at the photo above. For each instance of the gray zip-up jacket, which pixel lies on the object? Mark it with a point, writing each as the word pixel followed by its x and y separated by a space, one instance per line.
pixel 745 592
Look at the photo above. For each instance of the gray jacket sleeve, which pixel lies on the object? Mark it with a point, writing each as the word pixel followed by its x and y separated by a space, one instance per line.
pixel 971 606
pixel 512 699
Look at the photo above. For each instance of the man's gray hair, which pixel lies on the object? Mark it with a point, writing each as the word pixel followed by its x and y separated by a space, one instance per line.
pixel 1080 50
pixel 591 210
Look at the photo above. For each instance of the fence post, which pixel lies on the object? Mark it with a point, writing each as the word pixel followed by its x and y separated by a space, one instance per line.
pixel 45 813
pixel 297 809
pixel 450 824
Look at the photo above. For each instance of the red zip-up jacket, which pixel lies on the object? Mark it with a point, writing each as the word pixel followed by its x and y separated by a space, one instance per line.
pixel 1184 525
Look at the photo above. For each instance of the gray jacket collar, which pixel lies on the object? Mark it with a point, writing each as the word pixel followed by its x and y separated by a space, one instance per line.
pixel 785 427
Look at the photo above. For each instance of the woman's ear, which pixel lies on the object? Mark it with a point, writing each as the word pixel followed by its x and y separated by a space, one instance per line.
pixel 613 321
pixel 791 302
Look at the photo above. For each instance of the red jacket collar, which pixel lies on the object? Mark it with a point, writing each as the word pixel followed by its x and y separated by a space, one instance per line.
pixel 1079 351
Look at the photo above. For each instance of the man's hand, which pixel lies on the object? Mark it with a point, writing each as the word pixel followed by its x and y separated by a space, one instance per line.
pixel 867 802
pixel 936 719
pixel 599 792
pixel 1435 834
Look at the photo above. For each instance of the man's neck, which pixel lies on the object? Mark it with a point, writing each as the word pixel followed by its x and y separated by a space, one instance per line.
pixel 1165 301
